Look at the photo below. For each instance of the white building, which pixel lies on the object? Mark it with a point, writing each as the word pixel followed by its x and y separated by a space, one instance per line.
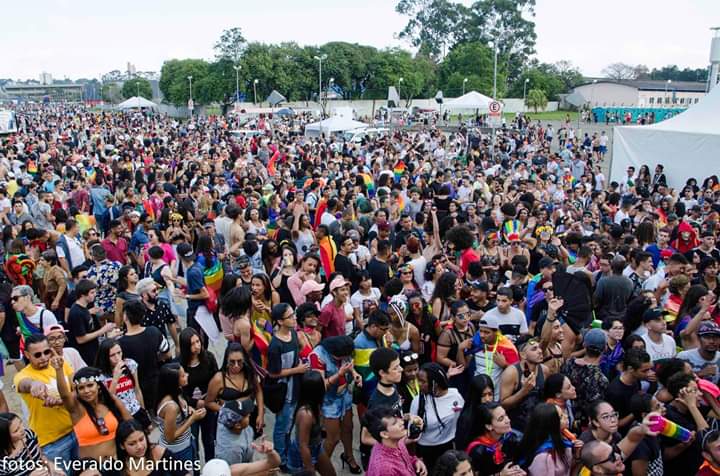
pixel 46 78
pixel 641 93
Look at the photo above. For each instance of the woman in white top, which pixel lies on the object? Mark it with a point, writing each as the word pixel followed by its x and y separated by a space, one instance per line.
pixel 439 406
pixel 302 233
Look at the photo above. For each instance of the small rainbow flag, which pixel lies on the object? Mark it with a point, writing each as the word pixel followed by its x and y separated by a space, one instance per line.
pixel 214 275
pixel 369 184
pixel 401 202
pixel 399 170
pixel 32 167
pixel 85 221
pixel 271 164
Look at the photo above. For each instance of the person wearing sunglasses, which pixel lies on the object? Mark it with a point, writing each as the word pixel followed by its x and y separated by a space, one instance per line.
pixel 94 411
pixel 47 418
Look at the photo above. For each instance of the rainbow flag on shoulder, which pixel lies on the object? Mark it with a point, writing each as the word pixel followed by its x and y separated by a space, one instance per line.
pixel 399 170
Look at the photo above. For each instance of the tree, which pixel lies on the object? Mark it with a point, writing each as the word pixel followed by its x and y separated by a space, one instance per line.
pixel 619 71
pixel 434 25
pixel 536 99
pixel 569 74
pixel 111 92
pixel 137 87
pixel 641 72
pixel 175 86
pixel 230 45
pixel 472 60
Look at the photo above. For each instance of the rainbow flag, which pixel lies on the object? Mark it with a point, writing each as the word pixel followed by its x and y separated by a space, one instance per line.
pixel 271 163
pixel 401 202
pixel 214 275
pixel 502 345
pixel 511 227
pixel 261 332
pixel 149 210
pixel 399 170
pixel 328 251
pixel 85 221
pixel 369 184
pixel 32 167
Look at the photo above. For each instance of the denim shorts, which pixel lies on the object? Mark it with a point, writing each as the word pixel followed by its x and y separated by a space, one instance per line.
pixel 294 459
pixel 338 406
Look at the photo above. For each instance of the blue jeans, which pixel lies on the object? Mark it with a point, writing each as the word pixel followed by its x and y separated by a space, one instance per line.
pixel 283 422
pixel 65 449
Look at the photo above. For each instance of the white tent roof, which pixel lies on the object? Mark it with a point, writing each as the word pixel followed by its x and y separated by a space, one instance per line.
pixel 136 102
pixel 686 145
pixel 471 100
pixel 335 124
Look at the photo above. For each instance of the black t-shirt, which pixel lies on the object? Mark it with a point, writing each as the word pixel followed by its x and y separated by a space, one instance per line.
pixel 144 348
pixel 648 450
pixel 691 458
pixel 344 266
pixel 379 273
pixel 199 377
pixel 482 458
pixel 378 399
pixel 618 395
pixel 284 355
pixel 80 323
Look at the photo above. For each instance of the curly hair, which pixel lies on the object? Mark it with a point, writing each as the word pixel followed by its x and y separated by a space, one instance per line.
pixel 460 236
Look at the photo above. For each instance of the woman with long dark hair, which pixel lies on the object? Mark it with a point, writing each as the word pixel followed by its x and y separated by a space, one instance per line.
pixel 94 412
pixel 444 294
pixel 236 380
pixel 305 451
pixel 264 297
pixel 135 451
pixel 480 391
pixel 439 406
pixel 121 378
pixel 271 255
pixel 200 366
pixel 281 274
pixel 428 326
pixel 544 450
pixel 175 415
pixel 492 445
pixel 453 463
pixel 19 445
pixel 127 280
pixel 560 391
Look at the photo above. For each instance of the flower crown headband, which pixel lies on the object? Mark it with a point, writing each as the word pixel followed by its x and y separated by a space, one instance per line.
pixel 95 378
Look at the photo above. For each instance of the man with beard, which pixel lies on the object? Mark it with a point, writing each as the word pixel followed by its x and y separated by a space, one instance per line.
pixel 521 385
pixel 158 312
pixel 705 358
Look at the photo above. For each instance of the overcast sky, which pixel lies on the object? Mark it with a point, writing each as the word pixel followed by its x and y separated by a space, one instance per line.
pixel 83 38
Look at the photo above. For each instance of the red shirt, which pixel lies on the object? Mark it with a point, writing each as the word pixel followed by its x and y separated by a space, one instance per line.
pixel 332 320
pixel 116 251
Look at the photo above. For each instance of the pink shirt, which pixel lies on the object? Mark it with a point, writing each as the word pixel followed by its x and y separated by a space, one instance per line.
pixel 168 253
pixel 386 461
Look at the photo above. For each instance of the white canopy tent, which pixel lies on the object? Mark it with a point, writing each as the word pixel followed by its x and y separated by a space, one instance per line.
pixel 333 125
pixel 471 100
pixel 686 145
pixel 137 102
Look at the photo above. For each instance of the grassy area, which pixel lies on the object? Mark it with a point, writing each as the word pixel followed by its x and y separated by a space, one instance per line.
pixel 547 116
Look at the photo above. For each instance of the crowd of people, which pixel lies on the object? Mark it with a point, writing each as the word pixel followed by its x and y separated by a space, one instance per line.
pixel 483 304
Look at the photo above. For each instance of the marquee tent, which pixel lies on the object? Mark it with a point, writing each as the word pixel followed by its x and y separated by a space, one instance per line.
pixel 333 125
pixel 137 102
pixel 686 145
pixel 471 100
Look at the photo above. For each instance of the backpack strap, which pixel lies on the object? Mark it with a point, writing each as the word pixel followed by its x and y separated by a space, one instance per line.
pixel 42 313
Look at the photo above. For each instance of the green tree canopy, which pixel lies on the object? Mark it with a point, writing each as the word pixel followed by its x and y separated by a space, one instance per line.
pixel 472 60
pixel 175 85
pixel 137 87
pixel 536 99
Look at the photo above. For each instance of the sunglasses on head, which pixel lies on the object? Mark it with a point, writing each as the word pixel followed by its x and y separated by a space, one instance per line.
pixel 410 357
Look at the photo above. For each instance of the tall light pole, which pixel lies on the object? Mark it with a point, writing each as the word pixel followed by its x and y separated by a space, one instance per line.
pixel 190 102
pixel 320 59
pixel 330 83
pixel 464 82
pixel 237 69
pixel 137 84
pixel 400 81
pixel 667 84
pixel 527 80
pixel 255 82
pixel 494 46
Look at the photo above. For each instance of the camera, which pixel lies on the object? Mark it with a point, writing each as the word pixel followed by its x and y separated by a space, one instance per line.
pixel 413 429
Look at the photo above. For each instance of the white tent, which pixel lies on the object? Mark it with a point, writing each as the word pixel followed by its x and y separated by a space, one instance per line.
pixel 333 125
pixel 471 100
pixel 137 102
pixel 686 145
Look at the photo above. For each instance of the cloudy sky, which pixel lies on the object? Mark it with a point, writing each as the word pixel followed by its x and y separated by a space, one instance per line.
pixel 83 38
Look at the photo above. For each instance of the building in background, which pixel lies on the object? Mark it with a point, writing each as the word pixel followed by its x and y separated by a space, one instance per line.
pixel 641 93
pixel 58 92
pixel 46 78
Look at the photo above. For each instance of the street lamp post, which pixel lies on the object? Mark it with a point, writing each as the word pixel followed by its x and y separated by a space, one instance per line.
pixel 667 84
pixel 330 83
pixel 464 82
pixel 399 93
pixel 237 82
pixel 320 59
pixel 137 84
pixel 494 46
pixel 255 89
pixel 190 103
pixel 527 80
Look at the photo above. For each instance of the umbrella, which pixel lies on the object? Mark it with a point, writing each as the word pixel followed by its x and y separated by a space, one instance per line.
pixel 575 292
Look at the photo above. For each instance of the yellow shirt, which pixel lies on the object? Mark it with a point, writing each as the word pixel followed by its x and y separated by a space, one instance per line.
pixel 49 423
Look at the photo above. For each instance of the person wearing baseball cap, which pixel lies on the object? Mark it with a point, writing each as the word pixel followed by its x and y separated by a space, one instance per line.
pixel 56 337
pixel 492 351
pixel 705 358
pixel 657 343
pixel 312 291
pixel 333 315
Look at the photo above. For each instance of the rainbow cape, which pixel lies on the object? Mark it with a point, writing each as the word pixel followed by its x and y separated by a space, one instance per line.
pixel 85 221
pixel 213 275
pixel 261 332
pixel 369 184
pixel 399 170
pixel 328 251
pixel 271 163
pixel 503 345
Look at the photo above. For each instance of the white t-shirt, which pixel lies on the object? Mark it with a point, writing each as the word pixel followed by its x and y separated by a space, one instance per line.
pixel 665 350
pixel 419 265
pixel 77 255
pixel 48 317
pixel 362 301
pixel 448 407
pixel 513 324
pixel 73 357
